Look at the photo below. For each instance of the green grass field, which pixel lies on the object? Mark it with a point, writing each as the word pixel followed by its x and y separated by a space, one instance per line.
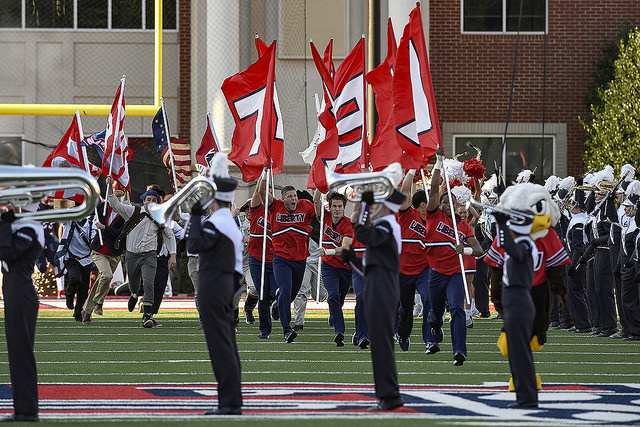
pixel 115 349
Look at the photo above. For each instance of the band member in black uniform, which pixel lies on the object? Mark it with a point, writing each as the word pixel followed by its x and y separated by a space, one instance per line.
pixel 577 273
pixel 518 308
pixel 629 296
pixel 380 232
pixel 218 241
pixel 20 246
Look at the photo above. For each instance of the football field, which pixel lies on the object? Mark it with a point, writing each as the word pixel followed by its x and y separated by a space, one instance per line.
pixel 115 371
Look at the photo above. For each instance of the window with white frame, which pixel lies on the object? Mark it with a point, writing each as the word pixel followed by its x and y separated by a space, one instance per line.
pixel 522 152
pixel 86 14
pixel 501 16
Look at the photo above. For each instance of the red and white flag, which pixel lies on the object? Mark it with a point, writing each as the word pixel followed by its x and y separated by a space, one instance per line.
pixel 208 147
pixel 415 115
pixel 69 154
pixel 384 147
pixel 258 139
pixel 115 161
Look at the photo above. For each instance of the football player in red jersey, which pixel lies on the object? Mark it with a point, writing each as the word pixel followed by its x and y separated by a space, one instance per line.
pixel 445 279
pixel 337 232
pixel 290 220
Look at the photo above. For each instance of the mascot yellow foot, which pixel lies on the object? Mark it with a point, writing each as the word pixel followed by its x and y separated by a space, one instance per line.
pixel 535 344
pixel 502 344
pixel 512 387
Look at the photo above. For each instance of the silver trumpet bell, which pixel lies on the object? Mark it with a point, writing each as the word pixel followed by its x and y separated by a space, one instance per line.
pixel 380 183
pixel 21 186
pixel 200 189
pixel 515 216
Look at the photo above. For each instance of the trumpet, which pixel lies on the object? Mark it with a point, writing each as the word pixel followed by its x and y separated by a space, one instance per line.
pixel 22 186
pixel 200 189
pixel 380 183
pixel 515 216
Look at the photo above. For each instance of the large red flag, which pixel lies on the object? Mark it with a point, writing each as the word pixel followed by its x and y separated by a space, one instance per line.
pixel 208 147
pixel 115 160
pixel 258 139
pixel 384 147
pixel 415 114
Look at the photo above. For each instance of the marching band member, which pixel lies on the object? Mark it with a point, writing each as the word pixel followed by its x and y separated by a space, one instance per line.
pixel 20 245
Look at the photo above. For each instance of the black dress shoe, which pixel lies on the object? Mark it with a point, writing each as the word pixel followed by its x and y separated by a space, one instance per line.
pixel 225 410
pixel 69 301
pixel 388 404
pixel 523 405
pixel 21 418
pixel 298 327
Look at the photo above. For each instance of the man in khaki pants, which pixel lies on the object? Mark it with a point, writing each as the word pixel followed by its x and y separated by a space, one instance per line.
pixel 105 256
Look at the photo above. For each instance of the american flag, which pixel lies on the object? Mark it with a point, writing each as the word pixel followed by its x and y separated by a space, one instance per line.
pixel 180 149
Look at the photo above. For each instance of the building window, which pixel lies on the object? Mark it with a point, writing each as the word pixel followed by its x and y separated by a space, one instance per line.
pixel 11 150
pixel 522 152
pixel 87 14
pixel 501 16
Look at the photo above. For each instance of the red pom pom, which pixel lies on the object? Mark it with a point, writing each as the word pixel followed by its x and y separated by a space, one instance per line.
pixel 455 182
pixel 474 168
pixel 471 186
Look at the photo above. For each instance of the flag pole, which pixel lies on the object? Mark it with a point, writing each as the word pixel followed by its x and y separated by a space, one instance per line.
pixel 320 246
pixel 424 183
pixel 113 148
pixel 166 128
pixel 86 167
pixel 264 234
pixel 455 231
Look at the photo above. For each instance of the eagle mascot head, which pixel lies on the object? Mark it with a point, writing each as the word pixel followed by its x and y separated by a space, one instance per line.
pixel 534 201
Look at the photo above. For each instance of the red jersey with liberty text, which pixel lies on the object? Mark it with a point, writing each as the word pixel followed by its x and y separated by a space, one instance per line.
pixel 551 253
pixel 332 235
pixel 256 234
pixel 441 241
pixel 413 259
pixel 357 246
pixel 290 229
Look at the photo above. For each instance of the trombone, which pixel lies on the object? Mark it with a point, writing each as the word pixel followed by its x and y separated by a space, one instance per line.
pixel 200 189
pixel 21 186
pixel 517 217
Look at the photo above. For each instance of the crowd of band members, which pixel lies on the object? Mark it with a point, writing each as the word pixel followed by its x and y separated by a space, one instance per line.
pixel 599 229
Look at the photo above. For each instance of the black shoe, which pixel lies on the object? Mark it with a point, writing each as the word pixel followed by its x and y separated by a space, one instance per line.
pixel 249 317
pixel 581 331
pixel 339 339
pixel 607 332
pixel 224 411
pixel 432 348
pixel 290 336
pixel 131 304
pixel 21 418
pixel 388 404
pixel 69 298
pixel 555 325
pixel 156 324
pixel 404 343
pixel 523 405
pixel 364 343
pixel 78 317
pixel 459 359
pixel 567 326
pixel 438 335
pixel 147 322
pixel 354 339
pixel 275 314
pixel 263 336
pixel 485 314
pixel 632 337
pixel 499 317
pixel 595 331
pixel 298 327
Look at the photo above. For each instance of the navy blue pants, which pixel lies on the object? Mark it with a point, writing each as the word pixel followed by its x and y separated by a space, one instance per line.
pixel 362 331
pixel 264 314
pixel 451 288
pixel 337 282
pixel 288 275
pixel 409 284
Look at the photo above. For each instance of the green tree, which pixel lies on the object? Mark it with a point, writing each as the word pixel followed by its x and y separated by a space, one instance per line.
pixel 613 130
